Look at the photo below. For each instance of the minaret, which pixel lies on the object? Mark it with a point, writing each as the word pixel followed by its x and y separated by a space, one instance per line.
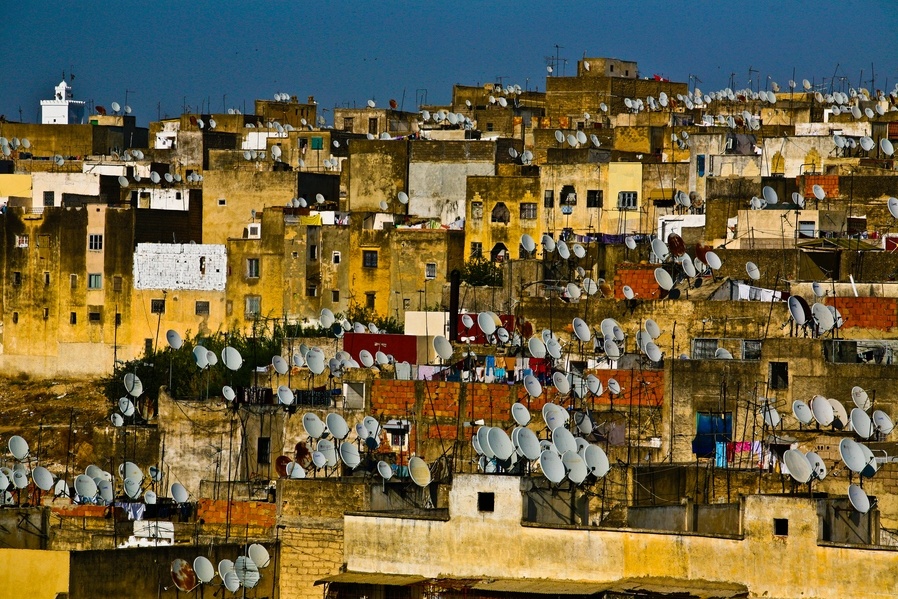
pixel 62 109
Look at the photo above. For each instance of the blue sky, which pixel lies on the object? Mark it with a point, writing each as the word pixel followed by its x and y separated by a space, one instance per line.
pixel 223 54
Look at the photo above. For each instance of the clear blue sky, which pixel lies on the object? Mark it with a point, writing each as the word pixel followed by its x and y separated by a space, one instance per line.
pixel 222 54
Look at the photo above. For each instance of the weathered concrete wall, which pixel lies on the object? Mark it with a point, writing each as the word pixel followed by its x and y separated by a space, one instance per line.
pixel 687 562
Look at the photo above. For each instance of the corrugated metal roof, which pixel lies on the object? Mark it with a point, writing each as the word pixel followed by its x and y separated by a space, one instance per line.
pixel 541 586
pixel 835 243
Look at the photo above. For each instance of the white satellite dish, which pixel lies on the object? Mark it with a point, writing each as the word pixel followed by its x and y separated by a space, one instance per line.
pixel 313 425
pixel 520 414
pixel 886 146
pixel 798 465
pixel 861 423
pixel 18 447
pixel 882 422
pixel 419 471
pixel 802 412
pixel 285 395
pixel 713 260
pixel 753 271
pixel 231 358
pixel 533 386
pixel 385 470
pixel 551 465
pixel 441 346
pixel 858 498
pixel 663 278
pixel 179 493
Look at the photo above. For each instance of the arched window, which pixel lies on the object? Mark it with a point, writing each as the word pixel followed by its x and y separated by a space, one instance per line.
pixel 500 214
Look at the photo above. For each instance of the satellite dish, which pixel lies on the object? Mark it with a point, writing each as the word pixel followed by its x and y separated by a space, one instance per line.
pixel 628 292
pixel 858 498
pixel 419 471
pixel 882 422
pixel 660 249
pixel 18 447
pixel 713 260
pixel 861 398
pixel 753 271
pixel 313 425
pixel 337 426
pixel 179 493
pixel 154 177
pixel 852 455
pixel 823 317
pixel 442 347
pixel 228 393
pixel 85 486
pixel 259 555
pixel 528 444
pixel 42 478
pixel 630 242
pixel 487 323
pixel 563 251
pixel 559 136
pixel 653 352
pixel 520 414
pixel 581 329
pixel 123 181
pixel 315 361
pixel 533 386
pixel 818 192
pixel 183 575
pixel 861 423
pixel 802 412
pixel 561 382
pixel 769 195
pixel 551 465
pixel 285 395
pixel 663 278
pixel 818 467
pixel 886 146
pixel 798 465
pixel 204 569
pixel 822 410
pixel 722 354
pixel 500 444
pixel 528 243
pixel 537 347
pixel 349 453
pixel 385 470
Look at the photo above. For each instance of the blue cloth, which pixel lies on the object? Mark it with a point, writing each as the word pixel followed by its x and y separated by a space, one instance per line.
pixel 720 454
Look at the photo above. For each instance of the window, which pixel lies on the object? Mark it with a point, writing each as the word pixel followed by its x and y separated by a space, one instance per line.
pixel 317 143
pixel 117 284
pixel 46 279
pixel 201 308
pixel 46 313
pixel 118 319
pixel 406 303
pixel 222 201
pixel 369 258
pixel 73 281
pixel 49 198
pixel 94 281
pixel 157 306
pixel 372 125
pixel 476 249
pixel 313 253
pixel 73 318
pixel 781 527
pixel 21 241
pixel 477 210
pixel 594 198
pixel 335 295
pixel 369 300
pixel 16 279
pixel 93 317
pixel 703 349
pixel 94 242
pixel 253 307
pixel 311 290
pixel 486 502
pixel 626 200
pixel 568 196
pixel 147 346
pixel 252 268
pixel 15 317
pixel 263 450
pixel 779 375
pixel 335 257
pixel 489 126
pixel 430 270
pixel 347 123
pixel 528 210
pixel 549 198
pixel 500 214
pixel 806 229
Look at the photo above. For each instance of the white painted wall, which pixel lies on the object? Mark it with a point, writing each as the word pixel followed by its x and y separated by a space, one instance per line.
pixel 60 183
pixel 201 267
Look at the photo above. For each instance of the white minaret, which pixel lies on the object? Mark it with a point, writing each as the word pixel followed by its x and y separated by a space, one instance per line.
pixel 62 109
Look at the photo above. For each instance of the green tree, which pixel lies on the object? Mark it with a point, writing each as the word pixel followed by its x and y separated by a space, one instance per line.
pixel 480 272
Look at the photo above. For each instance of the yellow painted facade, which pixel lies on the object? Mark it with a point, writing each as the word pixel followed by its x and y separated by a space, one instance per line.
pixel 40 574
pixel 498 211
pixel 15 186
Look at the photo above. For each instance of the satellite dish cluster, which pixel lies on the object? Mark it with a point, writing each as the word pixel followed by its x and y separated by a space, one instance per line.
pixel 8 146
pixel 677 266
pixel 443 118
pixel 857 457
pixel 818 318
pixel 244 572
pixel 565 453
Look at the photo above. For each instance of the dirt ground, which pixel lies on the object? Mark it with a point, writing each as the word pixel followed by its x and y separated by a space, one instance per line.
pixel 56 417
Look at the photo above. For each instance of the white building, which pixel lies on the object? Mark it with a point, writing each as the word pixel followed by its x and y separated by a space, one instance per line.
pixel 62 109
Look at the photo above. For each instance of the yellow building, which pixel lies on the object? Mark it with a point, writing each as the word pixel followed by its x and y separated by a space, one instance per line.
pixel 498 211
